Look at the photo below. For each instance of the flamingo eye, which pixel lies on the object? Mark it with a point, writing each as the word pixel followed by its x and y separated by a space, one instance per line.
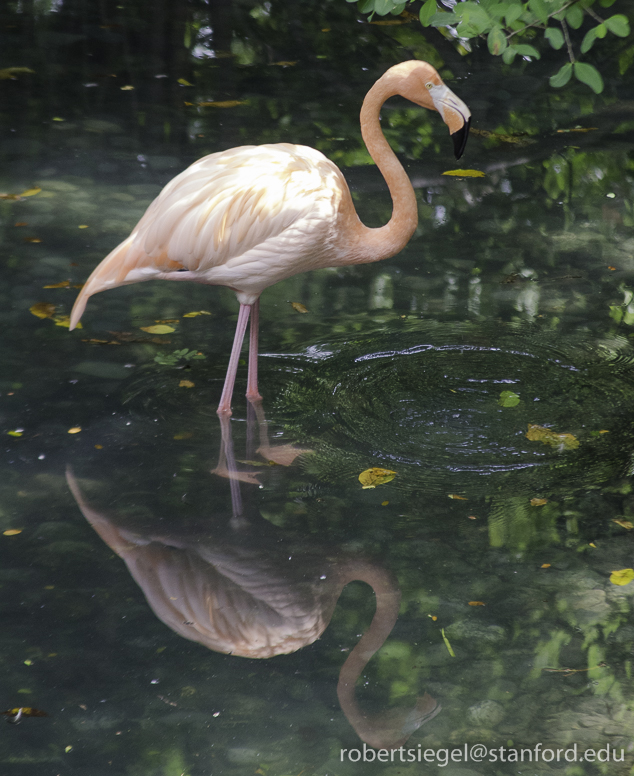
pixel 429 85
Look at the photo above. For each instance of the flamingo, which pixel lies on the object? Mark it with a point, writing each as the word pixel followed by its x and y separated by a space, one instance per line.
pixel 251 216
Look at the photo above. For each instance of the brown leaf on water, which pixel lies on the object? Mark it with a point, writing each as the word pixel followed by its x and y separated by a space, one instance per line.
pixel 538 502
pixel 186 384
pixel 520 140
pixel 11 72
pixel 21 223
pixel 477 603
pixel 10 196
pixel 457 498
pixel 127 336
pixel 42 310
pixel 26 711
pixel 63 284
pixel 299 307
pixel 32 240
pixel 220 103
pixel 624 523
pixel 545 566
pixel 283 63
pixel 74 430
pixel 370 478
pixel 169 321
pixel 552 438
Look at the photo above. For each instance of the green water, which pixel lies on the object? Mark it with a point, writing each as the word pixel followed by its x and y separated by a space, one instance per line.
pixel 501 544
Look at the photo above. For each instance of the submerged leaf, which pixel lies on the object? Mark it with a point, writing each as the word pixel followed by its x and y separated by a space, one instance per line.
pixel 370 478
pixel 508 399
pixel 538 502
pixel 43 310
pixel 624 523
pixel 11 72
pixel 221 103
pixel 622 577
pixel 31 192
pixel 299 307
pixel 447 644
pixel 186 384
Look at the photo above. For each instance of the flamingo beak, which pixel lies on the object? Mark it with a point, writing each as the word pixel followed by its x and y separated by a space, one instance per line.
pixel 455 114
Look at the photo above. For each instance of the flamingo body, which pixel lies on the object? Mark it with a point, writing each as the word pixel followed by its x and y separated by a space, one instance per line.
pixel 251 216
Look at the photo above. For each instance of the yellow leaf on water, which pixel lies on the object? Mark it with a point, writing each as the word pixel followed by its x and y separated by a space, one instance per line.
pixel 196 313
pixel 465 173
pixel 538 502
pixel 622 577
pixel 12 532
pixel 74 430
pixel 31 192
pixel 127 88
pixel 32 239
pixel 186 384
pixel 624 523
pixel 64 320
pixel 98 447
pixel 43 310
pixel 83 226
pixel 447 644
pixel 549 437
pixel 221 103
pixel 21 223
pixel 370 478
pixel 17 432
pixel 57 118
pixel 384 503
pixel 159 329
pixel 63 284
pixel 68 749
pixel 458 498
pixel 545 566
pixel 184 435
pixel 184 82
pixel 11 72
pixel 299 307
pixel 476 603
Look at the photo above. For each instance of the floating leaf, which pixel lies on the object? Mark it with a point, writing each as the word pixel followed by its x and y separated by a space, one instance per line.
pixel 221 103
pixel 24 711
pixel 63 284
pixel 299 307
pixel 43 310
pixel 384 503
pixel 520 140
pixel 74 430
pixel 196 313
pixel 622 577
pixel 284 63
pixel 127 88
pixel 11 72
pixel 447 644
pixel 545 566
pixel 186 384
pixel 168 321
pixel 184 82
pixel 158 329
pixel 538 502
pixel 476 603
pixel 64 321
pixel 579 129
pixel 12 532
pixel 32 240
pixel 17 432
pixel 465 173
pixel 624 523
pixel 31 192
pixel 548 437
pixel 184 435
pixel 83 226
pixel 509 399
pixel 370 478
pixel 458 498
pixel 21 223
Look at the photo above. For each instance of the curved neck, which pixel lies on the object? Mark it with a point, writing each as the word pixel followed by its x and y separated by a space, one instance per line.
pixel 391 238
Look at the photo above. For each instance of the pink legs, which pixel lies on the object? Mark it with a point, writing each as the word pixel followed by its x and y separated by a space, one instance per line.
pixel 224 408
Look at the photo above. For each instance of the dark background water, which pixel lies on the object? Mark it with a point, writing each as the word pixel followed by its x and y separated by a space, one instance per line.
pixel 522 280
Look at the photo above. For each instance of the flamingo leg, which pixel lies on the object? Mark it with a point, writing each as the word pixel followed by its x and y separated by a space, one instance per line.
pixel 252 382
pixel 224 408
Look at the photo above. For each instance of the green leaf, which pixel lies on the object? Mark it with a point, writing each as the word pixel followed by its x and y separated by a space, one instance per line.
pixel 383 7
pixel 474 16
pixel 498 10
pixel 427 11
pixel 509 55
pixel 526 51
pixel 398 9
pixel 574 17
pixel 441 19
pixel 497 41
pixel 508 399
pixel 589 75
pixel 561 77
pixel 555 37
pixel 366 6
pixel 513 14
pixel 538 7
pixel 588 40
pixel 607 3
pixel 619 25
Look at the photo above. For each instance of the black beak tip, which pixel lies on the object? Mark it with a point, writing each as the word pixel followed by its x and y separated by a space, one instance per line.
pixel 460 138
